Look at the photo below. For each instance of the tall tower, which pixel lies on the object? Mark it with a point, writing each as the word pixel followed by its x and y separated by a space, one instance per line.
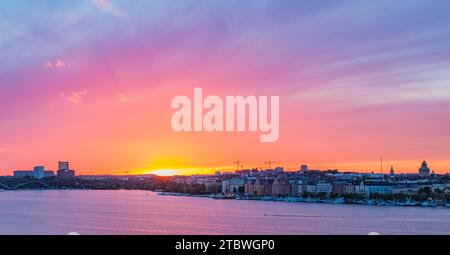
pixel 64 171
pixel 391 173
pixel 381 165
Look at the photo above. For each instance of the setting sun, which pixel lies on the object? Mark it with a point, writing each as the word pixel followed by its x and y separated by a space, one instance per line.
pixel 164 172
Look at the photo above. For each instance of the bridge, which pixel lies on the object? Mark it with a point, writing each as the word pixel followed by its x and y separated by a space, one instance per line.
pixel 25 183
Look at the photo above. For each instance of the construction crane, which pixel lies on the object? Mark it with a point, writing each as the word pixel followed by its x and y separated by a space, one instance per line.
pixel 270 163
pixel 238 162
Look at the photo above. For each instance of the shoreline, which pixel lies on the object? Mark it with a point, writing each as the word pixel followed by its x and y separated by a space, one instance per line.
pixel 290 199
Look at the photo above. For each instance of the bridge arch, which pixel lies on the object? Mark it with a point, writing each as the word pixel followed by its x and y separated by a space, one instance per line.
pixel 4 186
pixel 33 181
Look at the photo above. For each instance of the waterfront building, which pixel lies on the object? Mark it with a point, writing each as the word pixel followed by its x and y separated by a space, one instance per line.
pixel 405 189
pixel 349 188
pixel 23 173
pixel 379 189
pixel 361 188
pixel 267 186
pixel 38 172
pixel 424 171
pixel 211 182
pixel 234 185
pixel 258 187
pixel 226 186
pixel 249 188
pixel 277 183
pixel 297 187
pixel 310 188
pixel 66 174
pixel 191 180
pixel 281 187
pixel 63 170
pixel 324 188
pixel 206 179
pixel 337 189
pixel 237 185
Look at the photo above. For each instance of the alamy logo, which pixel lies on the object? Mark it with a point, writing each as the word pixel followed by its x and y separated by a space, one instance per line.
pixel 233 112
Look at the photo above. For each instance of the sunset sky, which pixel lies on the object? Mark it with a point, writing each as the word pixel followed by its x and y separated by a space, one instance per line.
pixel 91 82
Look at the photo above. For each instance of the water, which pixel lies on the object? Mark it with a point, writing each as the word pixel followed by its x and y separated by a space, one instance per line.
pixel 143 212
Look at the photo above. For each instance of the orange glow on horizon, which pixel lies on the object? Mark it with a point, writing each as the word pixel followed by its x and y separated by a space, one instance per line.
pixel 409 166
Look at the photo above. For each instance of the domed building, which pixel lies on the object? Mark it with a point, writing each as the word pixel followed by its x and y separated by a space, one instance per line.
pixel 424 170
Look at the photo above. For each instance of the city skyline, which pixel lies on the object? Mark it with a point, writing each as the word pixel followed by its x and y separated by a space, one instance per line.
pixel 63 166
pixel 91 82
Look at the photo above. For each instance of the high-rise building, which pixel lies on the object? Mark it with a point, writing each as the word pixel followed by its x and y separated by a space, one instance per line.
pixel 424 170
pixel 63 165
pixel 64 171
pixel 38 172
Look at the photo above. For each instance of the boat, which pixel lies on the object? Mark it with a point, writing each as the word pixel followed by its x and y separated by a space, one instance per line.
pixel 338 201
pixel 428 203
pixel 228 196
pixel 371 202
pixel 381 203
pixel 385 203
pixel 310 200
pixel 410 203
pixel 171 194
pixel 216 196
pixel 390 203
pixel 292 199
pixel 266 198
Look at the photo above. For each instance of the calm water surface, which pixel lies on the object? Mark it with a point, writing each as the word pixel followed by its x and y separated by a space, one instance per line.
pixel 143 212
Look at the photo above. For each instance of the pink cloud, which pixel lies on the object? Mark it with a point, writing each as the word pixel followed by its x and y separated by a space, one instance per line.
pixel 108 7
pixel 54 64
pixel 76 97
